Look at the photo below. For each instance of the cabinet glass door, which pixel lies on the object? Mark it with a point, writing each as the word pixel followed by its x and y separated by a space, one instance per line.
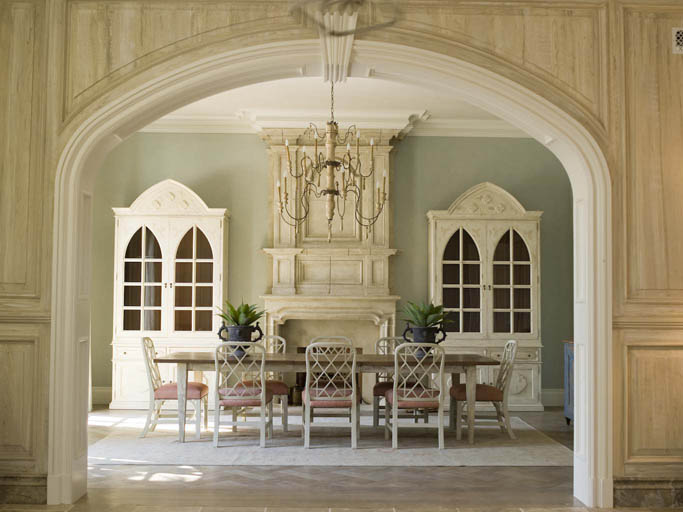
pixel 512 301
pixel 461 284
pixel 193 307
pixel 142 282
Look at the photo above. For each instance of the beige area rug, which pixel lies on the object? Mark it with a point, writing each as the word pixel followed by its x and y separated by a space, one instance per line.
pixel 329 446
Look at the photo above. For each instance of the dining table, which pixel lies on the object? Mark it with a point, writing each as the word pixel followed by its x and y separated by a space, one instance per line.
pixel 455 364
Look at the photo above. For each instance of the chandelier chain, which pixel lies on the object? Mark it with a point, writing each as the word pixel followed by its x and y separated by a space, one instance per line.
pixel 332 99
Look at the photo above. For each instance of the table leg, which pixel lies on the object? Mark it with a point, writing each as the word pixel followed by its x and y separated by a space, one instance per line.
pixel 452 416
pixel 471 391
pixel 182 400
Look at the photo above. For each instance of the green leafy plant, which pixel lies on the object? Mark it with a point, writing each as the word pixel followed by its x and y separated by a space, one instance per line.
pixel 244 314
pixel 424 314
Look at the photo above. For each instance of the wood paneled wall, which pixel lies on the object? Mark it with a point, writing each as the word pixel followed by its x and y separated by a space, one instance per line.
pixel 25 245
pixel 607 62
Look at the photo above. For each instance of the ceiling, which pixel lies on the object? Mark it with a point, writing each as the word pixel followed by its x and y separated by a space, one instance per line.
pixel 366 102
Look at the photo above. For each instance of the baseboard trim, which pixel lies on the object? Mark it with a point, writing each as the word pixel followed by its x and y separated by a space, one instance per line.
pixel 101 395
pixel 648 492
pixel 23 490
pixel 552 397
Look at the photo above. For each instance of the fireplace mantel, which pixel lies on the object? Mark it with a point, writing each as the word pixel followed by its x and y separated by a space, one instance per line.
pixel 380 310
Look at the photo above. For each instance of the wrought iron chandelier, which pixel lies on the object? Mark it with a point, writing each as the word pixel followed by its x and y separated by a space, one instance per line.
pixel 344 178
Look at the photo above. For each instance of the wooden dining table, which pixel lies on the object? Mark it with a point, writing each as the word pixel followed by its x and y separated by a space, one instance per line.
pixel 454 364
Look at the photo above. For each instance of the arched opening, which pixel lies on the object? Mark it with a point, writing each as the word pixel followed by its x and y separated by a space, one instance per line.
pixel 572 144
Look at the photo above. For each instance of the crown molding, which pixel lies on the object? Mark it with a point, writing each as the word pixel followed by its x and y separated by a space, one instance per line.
pixel 416 125
pixel 467 128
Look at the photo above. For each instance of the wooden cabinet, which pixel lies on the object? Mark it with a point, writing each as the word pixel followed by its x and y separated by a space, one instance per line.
pixel 169 277
pixel 484 267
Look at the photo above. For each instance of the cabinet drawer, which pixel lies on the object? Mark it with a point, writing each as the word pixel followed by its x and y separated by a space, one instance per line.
pixel 132 353
pixel 523 354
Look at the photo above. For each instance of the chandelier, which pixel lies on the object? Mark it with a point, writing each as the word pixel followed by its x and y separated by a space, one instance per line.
pixel 344 178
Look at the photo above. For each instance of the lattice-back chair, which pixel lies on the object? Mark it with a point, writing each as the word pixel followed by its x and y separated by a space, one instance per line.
pixel 274 380
pixel 240 385
pixel 497 394
pixel 418 384
pixel 383 346
pixel 331 383
pixel 197 393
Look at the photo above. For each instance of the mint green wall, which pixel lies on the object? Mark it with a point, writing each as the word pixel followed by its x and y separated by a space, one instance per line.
pixel 230 171
pixel 227 171
pixel 431 172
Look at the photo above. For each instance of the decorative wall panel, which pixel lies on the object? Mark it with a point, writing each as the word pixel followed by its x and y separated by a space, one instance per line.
pixel 654 377
pixel 653 183
pixel 647 389
pixel 563 44
pixel 21 129
pixel 114 39
pixel 23 370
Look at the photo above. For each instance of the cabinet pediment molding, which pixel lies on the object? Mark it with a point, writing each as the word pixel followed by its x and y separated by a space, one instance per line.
pixel 170 197
pixel 487 200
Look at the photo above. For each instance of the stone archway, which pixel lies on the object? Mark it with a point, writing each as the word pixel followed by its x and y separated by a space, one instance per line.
pixel 563 135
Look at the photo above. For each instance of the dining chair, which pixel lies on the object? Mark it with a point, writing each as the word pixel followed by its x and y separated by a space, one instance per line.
pixel 498 394
pixel 237 363
pixel 331 383
pixel 418 384
pixel 197 393
pixel 274 381
pixel 383 346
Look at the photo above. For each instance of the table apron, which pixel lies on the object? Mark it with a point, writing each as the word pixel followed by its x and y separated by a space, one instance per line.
pixel 360 368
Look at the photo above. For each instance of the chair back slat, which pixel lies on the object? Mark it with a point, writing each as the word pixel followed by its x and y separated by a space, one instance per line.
pixel 386 346
pixel 237 362
pixel 152 368
pixel 419 372
pixel 507 363
pixel 330 369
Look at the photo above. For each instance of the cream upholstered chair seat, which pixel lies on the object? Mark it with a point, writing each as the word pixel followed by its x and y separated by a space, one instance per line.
pixel 331 383
pixel 240 384
pixel 278 345
pixel 383 346
pixel 325 394
pixel 380 389
pixel 418 384
pixel 415 399
pixel 243 396
pixel 276 387
pixel 197 394
pixel 497 394
pixel 485 393
pixel 195 391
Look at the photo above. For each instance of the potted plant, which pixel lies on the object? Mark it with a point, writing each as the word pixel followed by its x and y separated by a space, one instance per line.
pixel 240 322
pixel 427 320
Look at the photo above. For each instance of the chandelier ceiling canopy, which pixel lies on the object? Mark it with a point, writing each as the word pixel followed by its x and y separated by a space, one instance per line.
pixel 320 12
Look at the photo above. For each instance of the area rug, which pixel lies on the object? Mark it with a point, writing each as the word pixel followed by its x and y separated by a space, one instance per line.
pixel 329 446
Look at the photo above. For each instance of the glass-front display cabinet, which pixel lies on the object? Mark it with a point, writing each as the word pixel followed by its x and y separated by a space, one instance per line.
pixel 170 270
pixel 484 267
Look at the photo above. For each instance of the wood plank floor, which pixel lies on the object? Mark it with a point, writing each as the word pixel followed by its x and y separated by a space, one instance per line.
pixel 320 488
pixel 135 488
